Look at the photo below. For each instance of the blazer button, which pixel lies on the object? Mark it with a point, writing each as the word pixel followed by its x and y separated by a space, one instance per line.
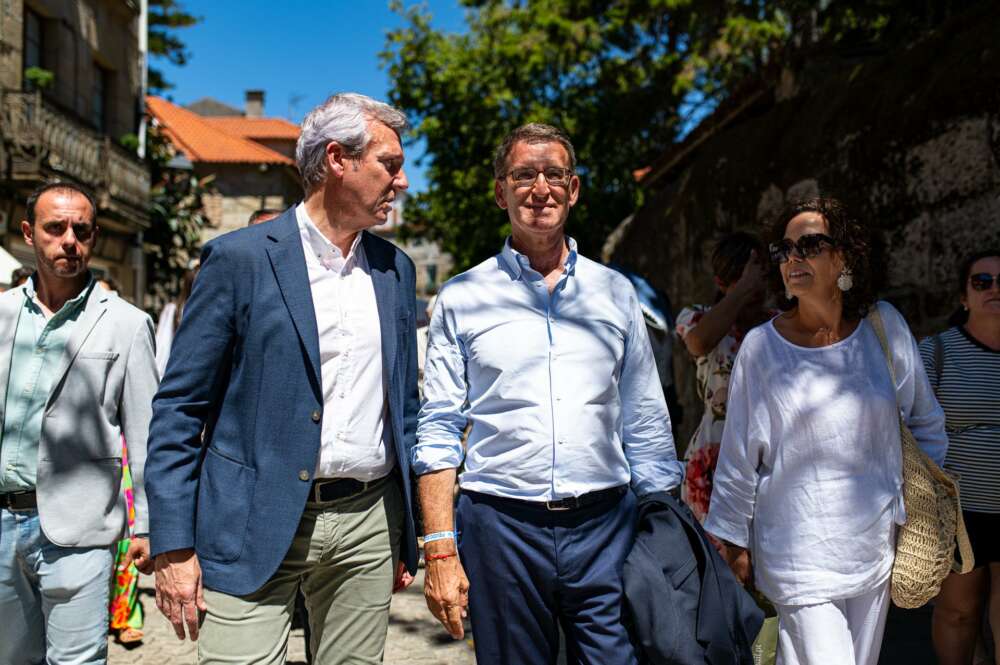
pixel 303 475
pixel 317 416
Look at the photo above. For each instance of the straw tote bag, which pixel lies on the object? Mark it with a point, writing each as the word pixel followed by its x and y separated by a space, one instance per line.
pixel 925 544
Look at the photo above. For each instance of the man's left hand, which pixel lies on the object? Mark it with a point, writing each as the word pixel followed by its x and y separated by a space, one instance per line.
pixel 138 553
pixel 403 578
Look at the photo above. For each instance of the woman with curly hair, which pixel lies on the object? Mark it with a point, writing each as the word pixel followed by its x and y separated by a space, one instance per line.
pixel 809 479
pixel 713 334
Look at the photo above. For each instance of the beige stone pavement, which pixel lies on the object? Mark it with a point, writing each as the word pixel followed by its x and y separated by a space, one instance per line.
pixel 415 637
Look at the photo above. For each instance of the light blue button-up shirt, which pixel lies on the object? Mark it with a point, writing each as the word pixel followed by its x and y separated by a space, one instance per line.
pixel 34 361
pixel 560 388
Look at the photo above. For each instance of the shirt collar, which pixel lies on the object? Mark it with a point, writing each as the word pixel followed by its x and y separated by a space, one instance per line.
pixel 72 305
pixel 519 263
pixel 328 254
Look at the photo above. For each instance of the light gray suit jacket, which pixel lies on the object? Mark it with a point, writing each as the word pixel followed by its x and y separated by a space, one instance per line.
pixel 104 388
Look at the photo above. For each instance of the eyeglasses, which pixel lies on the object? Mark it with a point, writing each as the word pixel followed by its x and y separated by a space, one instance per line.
pixel 554 176
pixel 807 247
pixel 983 281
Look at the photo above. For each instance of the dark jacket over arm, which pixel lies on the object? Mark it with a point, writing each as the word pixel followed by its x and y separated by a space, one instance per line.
pixel 684 605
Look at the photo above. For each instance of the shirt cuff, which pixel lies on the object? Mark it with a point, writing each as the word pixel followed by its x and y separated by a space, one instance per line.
pixel 737 534
pixel 430 456
pixel 656 477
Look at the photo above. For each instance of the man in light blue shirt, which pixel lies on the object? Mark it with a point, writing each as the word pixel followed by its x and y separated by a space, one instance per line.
pixel 544 352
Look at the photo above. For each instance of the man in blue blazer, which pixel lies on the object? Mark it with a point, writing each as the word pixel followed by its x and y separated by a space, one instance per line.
pixel 278 451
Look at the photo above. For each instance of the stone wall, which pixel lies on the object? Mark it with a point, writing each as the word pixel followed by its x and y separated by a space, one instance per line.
pixel 11 36
pixel 910 139
pixel 243 188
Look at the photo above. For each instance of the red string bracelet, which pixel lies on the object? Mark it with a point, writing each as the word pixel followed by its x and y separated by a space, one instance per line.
pixel 438 557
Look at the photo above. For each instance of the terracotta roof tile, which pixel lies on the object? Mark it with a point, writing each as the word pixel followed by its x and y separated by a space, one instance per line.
pixel 202 141
pixel 256 128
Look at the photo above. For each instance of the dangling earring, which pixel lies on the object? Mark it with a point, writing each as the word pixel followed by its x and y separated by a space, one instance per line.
pixel 846 281
pixel 788 295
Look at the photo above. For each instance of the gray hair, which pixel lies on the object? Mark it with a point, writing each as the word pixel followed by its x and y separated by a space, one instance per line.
pixel 342 119
pixel 533 132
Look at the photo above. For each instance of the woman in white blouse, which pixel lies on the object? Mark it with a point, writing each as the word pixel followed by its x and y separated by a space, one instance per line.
pixel 808 484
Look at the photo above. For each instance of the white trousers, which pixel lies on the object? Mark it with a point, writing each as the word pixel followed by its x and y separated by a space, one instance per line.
pixel 839 632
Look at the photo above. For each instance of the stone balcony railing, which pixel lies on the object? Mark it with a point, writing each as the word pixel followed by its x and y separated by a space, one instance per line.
pixel 40 137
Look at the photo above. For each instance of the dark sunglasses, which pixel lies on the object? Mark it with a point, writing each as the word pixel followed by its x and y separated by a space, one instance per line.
pixel 983 281
pixel 807 247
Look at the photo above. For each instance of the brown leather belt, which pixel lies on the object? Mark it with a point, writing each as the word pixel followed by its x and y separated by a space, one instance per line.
pixel 19 500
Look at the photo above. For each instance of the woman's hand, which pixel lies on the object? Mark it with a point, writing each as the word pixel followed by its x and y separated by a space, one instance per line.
pixel 753 281
pixel 738 559
pixel 715 324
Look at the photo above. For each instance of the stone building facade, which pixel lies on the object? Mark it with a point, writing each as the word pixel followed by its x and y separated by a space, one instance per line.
pixel 240 189
pixel 250 156
pixel 71 127
pixel 910 139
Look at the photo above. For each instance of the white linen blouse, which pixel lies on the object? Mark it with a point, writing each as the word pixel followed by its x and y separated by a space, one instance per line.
pixel 809 476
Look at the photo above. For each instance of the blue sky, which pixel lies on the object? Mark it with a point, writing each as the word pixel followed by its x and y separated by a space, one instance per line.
pixel 297 51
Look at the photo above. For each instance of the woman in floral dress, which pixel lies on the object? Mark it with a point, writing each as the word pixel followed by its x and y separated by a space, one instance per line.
pixel 712 334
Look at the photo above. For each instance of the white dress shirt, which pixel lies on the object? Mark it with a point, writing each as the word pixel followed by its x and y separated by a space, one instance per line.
pixel 810 469
pixel 356 441
pixel 561 388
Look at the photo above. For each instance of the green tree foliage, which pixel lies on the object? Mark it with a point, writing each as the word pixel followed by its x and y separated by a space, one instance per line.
pixel 176 218
pixel 165 17
pixel 625 79
pixel 176 210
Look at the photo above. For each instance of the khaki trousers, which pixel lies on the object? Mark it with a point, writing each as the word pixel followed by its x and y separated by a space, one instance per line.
pixel 344 558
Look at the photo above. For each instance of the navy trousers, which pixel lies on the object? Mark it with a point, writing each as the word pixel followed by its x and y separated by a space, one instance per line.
pixel 532 571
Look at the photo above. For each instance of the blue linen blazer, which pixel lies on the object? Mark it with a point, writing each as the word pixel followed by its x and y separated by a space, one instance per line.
pixel 236 423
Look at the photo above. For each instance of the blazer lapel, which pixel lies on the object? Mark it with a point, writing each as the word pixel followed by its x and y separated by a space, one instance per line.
pixel 93 310
pixel 288 260
pixel 386 287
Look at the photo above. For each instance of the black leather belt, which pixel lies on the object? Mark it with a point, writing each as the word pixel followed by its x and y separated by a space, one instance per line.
pixel 559 505
pixel 19 500
pixel 332 489
pixel 588 499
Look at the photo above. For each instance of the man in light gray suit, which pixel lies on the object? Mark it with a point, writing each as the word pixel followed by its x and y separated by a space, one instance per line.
pixel 77 373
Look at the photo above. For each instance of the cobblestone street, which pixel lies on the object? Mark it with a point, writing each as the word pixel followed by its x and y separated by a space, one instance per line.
pixel 414 636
